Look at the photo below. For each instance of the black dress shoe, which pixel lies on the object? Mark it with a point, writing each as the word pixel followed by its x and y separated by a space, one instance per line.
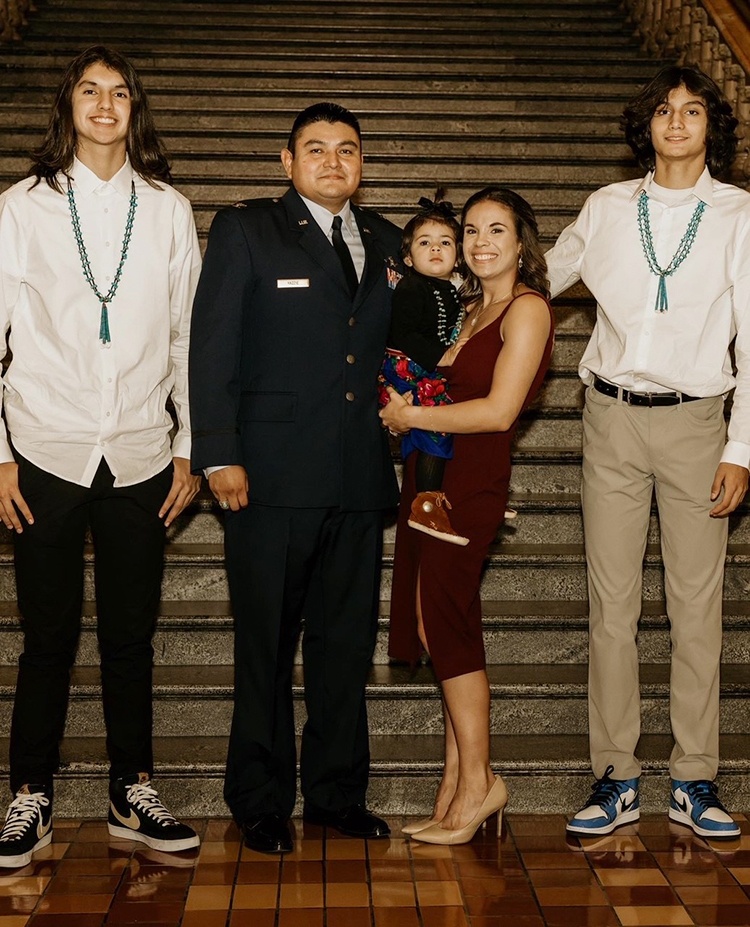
pixel 267 833
pixel 354 821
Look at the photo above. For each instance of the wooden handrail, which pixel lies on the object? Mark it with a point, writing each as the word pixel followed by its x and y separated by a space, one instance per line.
pixel 734 27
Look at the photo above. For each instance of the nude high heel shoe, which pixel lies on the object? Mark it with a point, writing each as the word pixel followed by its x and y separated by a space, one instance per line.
pixel 416 826
pixel 494 802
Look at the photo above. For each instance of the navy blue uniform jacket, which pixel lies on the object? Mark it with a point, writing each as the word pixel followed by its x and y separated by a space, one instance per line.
pixel 284 363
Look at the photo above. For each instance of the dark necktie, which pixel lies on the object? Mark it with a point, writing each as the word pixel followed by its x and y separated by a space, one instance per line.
pixel 345 256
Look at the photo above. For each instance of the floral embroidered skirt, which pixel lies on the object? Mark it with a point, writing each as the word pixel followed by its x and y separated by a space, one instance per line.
pixel 428 387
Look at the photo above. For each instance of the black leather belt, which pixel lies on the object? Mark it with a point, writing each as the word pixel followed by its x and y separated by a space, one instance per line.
pixel 641 399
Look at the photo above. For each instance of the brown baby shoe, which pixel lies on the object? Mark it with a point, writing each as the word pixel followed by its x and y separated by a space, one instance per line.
pixel 428 514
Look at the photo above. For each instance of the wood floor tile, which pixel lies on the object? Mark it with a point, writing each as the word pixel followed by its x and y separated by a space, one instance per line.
pixel 445 917
pixel 208 898
pixel 349 917
pixel 347 895
pixel 253 918
pixel 655 916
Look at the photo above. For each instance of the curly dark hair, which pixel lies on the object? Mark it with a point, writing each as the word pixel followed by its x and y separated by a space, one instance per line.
pixel 434 210
pixel 721 141
pixel 533 272
pixel 145 150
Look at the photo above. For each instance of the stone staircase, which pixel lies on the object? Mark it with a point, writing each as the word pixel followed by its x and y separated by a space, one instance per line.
pixel 521 93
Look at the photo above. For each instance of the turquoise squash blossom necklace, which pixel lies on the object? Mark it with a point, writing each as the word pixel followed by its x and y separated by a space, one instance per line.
pixel 683 249
pixel 104 336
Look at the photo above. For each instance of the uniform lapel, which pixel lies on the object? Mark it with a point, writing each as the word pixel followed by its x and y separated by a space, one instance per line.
pixel 312 239
pixel 374 257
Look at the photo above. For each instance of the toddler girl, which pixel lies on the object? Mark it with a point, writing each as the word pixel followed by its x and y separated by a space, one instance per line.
pixel 426 322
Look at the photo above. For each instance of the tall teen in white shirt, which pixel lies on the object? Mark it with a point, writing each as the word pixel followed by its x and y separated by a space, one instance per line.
pixel 99 261
pixel 668 260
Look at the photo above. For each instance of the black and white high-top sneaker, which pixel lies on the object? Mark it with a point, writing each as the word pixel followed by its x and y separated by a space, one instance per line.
pixel 27 827
pixel 136 813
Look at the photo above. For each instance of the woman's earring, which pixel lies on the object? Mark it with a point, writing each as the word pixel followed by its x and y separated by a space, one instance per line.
pixel 520 261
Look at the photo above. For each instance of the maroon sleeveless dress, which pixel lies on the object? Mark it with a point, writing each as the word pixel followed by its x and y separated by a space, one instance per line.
pixel 476 484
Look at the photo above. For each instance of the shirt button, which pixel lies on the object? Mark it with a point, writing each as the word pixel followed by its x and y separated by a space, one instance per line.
pixel 106 243
pixel 350 359
pixel 350 397
pixel 109 379
pixel 352 322
pixel 108 414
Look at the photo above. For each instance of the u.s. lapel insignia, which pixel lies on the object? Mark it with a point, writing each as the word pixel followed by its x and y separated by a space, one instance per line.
pixel 391 273
pixel 302 222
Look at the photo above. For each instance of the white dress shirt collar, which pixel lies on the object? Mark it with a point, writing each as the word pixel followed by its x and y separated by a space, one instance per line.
pixel 87 182
pixel 703 189
pixel 324 217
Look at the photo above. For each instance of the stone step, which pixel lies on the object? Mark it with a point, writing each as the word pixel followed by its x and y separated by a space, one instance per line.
pixel 279 56
pixel 255 145
pixel 544 774
pixel 162 25
pixel 542 516
pixel 367 10
pixel 447 95
pixel 451 21
pixel 191 633
pixel 531 699
pixel 569 83
pixel 469 40
pixel 254 106
pixel 196 572
pixel 268 122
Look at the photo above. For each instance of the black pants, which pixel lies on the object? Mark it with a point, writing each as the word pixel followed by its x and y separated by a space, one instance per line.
pixel 285 565
pixel 128 539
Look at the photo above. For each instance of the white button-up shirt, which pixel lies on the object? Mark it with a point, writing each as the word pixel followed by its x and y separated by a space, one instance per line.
pixel 70 400
pixel 684 349
pixel 349 229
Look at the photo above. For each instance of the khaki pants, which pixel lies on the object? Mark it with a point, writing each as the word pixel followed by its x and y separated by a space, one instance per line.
pixel 628 452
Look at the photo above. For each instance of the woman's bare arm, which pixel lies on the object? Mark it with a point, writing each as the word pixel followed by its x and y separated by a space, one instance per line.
pixel 525 330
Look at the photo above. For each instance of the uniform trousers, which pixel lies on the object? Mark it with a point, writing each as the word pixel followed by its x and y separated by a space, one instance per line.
pixel 630 452
pixel 128 540
pixel 318 568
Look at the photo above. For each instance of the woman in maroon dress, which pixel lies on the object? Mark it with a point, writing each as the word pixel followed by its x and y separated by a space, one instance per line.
pixel 494 370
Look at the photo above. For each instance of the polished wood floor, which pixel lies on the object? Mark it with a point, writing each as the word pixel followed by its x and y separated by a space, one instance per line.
pixel 655 873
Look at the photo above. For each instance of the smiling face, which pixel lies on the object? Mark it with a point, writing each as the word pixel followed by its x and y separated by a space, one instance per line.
pixel 101 111
pixel 490 243
pixel 679 127
pixel 433 250
pixel 326 166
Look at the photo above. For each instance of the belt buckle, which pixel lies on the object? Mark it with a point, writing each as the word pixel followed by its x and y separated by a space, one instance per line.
pixel 630 396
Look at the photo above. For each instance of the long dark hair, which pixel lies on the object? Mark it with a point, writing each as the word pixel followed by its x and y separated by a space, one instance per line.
pixel 721 142
pixel 145 150
pixel 533 270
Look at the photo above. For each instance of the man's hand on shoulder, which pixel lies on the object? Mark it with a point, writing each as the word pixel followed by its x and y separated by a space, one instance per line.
pixel 182 492
pixel 11 501
pixel 733 480
pixel 230 487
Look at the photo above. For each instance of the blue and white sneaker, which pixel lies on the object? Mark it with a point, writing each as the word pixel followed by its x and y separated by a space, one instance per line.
pixel 613 802
pixel 696 804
